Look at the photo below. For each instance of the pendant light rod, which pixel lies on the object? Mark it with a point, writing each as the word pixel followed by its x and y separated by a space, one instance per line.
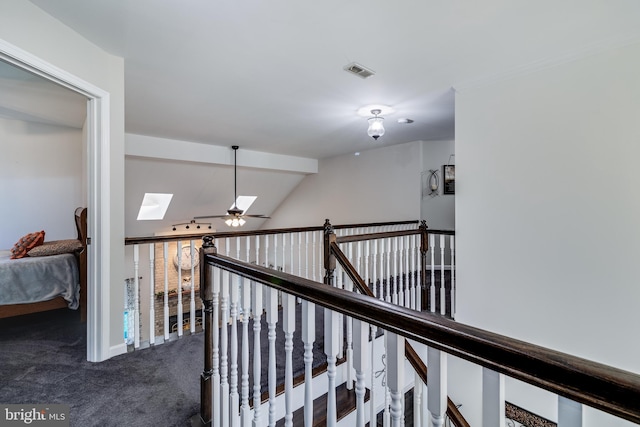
pixel 235 175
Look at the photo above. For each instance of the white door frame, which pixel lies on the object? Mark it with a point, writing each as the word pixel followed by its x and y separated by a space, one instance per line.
pixel 98 199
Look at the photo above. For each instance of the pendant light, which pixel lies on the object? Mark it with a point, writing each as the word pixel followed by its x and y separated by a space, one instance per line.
pixel 376 128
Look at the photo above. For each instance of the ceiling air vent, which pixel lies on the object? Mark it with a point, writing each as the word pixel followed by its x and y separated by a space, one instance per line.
pixel 359 70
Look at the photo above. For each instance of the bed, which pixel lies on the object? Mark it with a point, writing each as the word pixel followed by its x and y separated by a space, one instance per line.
pixel 43 281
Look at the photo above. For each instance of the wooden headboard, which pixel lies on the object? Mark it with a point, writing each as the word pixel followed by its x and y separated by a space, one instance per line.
pixel 81 227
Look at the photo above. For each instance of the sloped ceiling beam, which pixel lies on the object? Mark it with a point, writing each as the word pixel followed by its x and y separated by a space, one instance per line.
pixel 171 149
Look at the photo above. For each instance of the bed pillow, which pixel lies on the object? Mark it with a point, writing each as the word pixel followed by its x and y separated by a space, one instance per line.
pixel 26 243
pixel 56 247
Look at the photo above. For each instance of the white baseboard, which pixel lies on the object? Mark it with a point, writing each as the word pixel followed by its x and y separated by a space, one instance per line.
pixel 116 350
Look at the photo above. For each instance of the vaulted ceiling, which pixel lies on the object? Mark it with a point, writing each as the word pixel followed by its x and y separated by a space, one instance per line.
pixel 269 76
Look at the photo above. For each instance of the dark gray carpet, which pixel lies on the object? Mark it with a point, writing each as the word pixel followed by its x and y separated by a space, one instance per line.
pixel 43 360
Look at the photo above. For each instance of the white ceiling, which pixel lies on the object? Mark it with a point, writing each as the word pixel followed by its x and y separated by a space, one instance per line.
pixel 268 75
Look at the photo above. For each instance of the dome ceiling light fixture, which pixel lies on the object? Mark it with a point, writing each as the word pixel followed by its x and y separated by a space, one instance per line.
pixel 376 127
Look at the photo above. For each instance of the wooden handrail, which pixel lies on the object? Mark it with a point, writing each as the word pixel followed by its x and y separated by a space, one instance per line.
pixel 409 352
pixel 603 387
pixel 222 235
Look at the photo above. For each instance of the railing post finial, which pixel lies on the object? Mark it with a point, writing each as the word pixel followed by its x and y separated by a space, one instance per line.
pixel 328 228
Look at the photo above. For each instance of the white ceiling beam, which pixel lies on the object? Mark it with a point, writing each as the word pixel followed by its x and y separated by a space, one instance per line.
pixel 172 149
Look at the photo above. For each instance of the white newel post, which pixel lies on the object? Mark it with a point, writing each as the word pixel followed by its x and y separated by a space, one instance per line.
pixel 492 398
pixel 272 319
pixel 331 350
pixel 360 364
pixel 395 376
pixel 308 338
pixel 289 327
pixel 569 413
pixel 437 385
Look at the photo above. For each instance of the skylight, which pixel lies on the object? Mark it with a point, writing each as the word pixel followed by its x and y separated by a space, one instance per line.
pixel 154 206
pixel 244 202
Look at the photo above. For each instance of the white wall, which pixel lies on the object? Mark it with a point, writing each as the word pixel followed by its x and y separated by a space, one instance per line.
pixel 437 209
pixel 27 27
pixel 381 184
pixel 547 207
pixel 40 180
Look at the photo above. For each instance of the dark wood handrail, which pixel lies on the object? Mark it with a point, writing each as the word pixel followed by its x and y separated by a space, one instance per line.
pixel 222 235
pixel 603 387
pixel 409 352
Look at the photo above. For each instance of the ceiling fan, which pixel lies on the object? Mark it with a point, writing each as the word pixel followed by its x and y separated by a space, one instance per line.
pixel 235 216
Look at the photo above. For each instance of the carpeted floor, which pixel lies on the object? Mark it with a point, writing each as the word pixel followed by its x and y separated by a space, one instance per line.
pixel 43 361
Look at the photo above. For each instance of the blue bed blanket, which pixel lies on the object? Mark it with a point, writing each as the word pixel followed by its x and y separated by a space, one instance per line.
pixel 35 279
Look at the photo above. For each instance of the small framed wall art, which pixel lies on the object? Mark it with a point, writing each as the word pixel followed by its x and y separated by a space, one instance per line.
pixel 449 174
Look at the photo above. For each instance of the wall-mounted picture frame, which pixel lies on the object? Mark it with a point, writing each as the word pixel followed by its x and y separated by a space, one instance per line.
pixel 449 174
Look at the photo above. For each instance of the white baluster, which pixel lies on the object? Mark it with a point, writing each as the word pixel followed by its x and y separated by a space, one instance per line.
pixel 300 254
pixel 306 255
pixel 152 287
pixel 414 285
pixel 245 409
pixel 367 252
pixel 248 250
pixel 417 400
pixel 387 275
pixel 338 283
pixel 407 295
pixel 569 413
pixel 437 380
pixel 331 350
pixel 420 290
pixel 432 285
pixel 233 376
pixel 372 390
pixel 401 275
pixel 395 376
pixel 257 241
pixel 308 337
pixel 374 268
pixel 452 241
pixel 179 316
pixel 271 310
pixel 266 250
pixel 192 296
pixel 394 298
pixel 443 293
pixel 136 296
pixel 215 375
pixel 165 255
pixel 289 327
pixel 256 298
pixel 313 266
pixel 291 257
pixel 224 355
pixel 492 398
pixel 360 364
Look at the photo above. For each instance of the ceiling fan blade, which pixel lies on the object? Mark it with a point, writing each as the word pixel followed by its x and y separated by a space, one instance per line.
pixel 209 216
pixel 256 216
